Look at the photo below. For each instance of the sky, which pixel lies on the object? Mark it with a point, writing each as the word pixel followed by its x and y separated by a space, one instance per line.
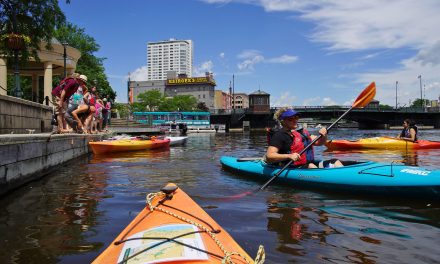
pixel 303 53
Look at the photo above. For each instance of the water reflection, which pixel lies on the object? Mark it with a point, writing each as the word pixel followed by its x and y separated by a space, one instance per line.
pixel 50 217
pixel 72 214
pixel 132 156
pixel 352 231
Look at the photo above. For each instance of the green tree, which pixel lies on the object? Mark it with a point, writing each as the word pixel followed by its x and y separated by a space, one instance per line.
pixel 35 19
pixel 202 107
pixel 151 100
pixel 168 105
pixel 88 64
pixel 138 107
pixel 123 109
pixel 385 107
pixel 184 103
pixel 418 103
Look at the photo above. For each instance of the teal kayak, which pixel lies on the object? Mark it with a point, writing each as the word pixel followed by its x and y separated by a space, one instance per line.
pixel 371 177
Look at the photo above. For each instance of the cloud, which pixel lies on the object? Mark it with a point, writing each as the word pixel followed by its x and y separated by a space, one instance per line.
pixel 372 25
pixel 222 55
pixel 408 87
pixel 252 57
pixel 216 1
pixel 311 101
pixel 328 101
pixel 284 100
pixel 315 101
pixel 284 59
pixel 360 25
pixel 248 64
pixel 204 67
pixel 430 55
pixel 140 74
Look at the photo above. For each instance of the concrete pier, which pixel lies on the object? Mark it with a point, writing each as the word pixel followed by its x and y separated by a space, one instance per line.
pixel 27 157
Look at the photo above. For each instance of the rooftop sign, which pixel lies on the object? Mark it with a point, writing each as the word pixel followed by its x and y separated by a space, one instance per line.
pixel 195 80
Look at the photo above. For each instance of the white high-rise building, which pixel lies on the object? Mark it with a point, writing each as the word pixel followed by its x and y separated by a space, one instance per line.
pixel 171 56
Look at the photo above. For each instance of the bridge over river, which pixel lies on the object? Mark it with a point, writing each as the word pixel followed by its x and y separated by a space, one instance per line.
pixel 374 118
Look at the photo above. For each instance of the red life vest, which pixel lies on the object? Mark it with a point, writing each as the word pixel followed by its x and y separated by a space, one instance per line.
pixel 300 141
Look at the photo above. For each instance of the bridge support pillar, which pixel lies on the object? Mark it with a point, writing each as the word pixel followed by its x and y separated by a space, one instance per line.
pixel 437 123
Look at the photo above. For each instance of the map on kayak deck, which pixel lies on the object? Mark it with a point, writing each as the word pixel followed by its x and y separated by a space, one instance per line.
pixel 168 251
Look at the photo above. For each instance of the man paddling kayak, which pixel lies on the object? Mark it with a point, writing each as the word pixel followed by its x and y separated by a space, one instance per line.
pixel 286 143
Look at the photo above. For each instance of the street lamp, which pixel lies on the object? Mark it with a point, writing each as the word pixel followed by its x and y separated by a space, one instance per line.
pixel 396 93
pixel 421 99
pixel 424 94
pixel 65 57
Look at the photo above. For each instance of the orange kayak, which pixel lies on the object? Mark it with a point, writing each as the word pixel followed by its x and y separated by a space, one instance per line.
pixel 127 145
pixel 381 143
pixel 172 228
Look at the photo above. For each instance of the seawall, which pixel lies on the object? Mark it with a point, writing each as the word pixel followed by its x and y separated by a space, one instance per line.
pixel 27 157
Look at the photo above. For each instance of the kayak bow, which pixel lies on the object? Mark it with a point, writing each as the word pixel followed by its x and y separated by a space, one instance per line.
pixel 172 228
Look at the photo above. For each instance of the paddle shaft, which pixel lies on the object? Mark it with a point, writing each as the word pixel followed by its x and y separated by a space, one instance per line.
pixel 304 150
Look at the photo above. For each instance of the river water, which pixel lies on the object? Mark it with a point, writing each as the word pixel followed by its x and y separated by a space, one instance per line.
pixel 72 214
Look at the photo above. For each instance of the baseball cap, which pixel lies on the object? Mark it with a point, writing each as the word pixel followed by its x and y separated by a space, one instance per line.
pixel 288 113
pixel 83 78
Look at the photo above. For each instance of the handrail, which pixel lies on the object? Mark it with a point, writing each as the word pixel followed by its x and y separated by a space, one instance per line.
pixel 3 88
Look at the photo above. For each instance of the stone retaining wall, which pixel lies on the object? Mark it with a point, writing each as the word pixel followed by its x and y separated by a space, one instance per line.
pixel 20 116
pixel 24 158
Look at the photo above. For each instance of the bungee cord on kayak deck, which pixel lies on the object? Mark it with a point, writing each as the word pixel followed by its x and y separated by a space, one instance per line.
pixel 166 239
pixel 227 258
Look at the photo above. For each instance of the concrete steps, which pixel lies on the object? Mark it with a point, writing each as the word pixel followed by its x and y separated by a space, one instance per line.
pixel 117 122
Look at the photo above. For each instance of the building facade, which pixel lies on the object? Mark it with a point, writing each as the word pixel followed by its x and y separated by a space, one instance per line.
pixel 135 88
pixel 169 56
pixel 240 100
pixel 222 100
pixel 202 88
pixel 259 101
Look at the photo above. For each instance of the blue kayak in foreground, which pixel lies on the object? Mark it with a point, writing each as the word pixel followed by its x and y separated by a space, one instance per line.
pixel 370 177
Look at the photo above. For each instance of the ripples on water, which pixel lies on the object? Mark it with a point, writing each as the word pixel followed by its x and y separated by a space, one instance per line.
pixel 71 215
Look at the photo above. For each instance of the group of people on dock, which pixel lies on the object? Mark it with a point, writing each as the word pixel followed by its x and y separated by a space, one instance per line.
pixel 78 109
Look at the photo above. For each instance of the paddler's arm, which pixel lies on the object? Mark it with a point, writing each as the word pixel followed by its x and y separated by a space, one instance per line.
pixel 273 156
pixel 323 139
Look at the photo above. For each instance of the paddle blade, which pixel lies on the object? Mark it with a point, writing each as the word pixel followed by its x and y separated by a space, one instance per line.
pixel 366 96
pixel 236 196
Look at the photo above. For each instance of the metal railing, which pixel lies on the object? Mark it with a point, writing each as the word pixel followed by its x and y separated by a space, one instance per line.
pixel 241 111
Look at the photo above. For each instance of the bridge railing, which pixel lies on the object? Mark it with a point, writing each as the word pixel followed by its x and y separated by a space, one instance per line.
pixel 366 109
pixel 332 108
pixel 228 111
